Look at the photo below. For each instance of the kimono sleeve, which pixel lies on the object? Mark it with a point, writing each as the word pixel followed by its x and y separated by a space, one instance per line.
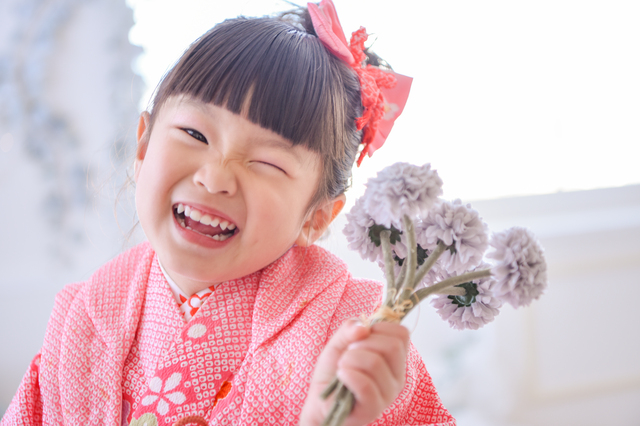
pixel 27 407
pixel 419 402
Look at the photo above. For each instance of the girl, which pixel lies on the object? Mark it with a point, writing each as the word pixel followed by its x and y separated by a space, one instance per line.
pixel 229 313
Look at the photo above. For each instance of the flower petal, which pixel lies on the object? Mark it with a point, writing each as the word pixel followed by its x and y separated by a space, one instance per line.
pixel 401 189
pixel 155 384
pixel 163 407
pixel 172 382
pixel 149 399
pixel 521 269
pixel 176 397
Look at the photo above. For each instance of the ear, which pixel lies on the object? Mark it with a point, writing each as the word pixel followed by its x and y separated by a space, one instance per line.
pixel 319 220
pixel 142 135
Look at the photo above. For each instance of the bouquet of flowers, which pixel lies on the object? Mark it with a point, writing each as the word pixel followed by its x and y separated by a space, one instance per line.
pixel 432 247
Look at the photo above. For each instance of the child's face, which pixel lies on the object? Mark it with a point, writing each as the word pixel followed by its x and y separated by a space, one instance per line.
pixel 203 157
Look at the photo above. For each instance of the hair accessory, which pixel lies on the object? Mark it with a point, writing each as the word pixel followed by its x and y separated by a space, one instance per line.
pixel 384 93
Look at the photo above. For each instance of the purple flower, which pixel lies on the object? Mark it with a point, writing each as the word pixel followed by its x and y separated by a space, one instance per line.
pixel 520 271
pixel 400 189
pixel 472 311
pixel 357 232
pixel 458 226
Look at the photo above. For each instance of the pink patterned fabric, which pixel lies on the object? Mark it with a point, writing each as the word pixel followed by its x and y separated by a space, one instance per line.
pixel 118 351
pixel 190 305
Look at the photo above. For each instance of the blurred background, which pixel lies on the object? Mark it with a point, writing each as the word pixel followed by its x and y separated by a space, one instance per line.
pixel 528 110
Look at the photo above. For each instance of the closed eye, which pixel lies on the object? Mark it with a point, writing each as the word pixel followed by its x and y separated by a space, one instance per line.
pixel 196 135
pixel 272 166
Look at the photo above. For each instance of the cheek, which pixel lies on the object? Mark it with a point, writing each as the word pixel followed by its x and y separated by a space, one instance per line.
pixel 145 203
pixel 276 216
pixel 152 188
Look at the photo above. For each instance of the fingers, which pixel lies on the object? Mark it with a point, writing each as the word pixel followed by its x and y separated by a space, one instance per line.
pixel 381 357
pixel 370 400
pixel 391 342
pixel 370 362
pixel 350 332
pixel 368 376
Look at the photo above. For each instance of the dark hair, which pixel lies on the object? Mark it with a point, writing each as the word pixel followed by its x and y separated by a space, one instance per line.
pixel 289 80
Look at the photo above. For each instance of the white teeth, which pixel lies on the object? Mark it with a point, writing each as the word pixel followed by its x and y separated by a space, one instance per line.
pixel 182 224
pixel 224 236
pixel 216 237
pixel 206 219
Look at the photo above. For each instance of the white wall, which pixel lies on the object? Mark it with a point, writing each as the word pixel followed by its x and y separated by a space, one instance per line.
pixel 68 109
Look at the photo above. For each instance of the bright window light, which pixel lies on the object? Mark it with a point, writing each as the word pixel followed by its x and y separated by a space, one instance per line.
pixel 509 98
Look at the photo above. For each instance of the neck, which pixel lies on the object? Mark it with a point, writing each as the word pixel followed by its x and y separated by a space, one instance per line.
pixel 187 286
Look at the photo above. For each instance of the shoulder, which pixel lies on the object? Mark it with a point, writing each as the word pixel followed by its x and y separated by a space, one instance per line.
pixel 315 274
pixel 126 265
pixel 111 286
pixel 360 295
pixel 319 260
pixel 117 272
pixel 354 283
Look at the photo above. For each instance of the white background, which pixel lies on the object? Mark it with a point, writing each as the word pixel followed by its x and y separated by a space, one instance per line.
pixel 509 97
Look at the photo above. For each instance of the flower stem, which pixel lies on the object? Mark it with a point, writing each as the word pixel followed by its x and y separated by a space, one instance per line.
pixel 385 242
pixel 402 276
pixel 428 264
pixel 341 408
pixel 411 260
pixel 329 389
pixel 453 291
pixel 423 293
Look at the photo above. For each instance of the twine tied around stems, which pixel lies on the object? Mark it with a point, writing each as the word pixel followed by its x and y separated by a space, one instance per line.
pixel 393 314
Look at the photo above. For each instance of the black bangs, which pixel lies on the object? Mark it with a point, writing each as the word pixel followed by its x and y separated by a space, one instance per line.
pixel 285 77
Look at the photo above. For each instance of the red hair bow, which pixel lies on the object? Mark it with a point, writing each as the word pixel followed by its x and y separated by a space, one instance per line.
pixel 384 93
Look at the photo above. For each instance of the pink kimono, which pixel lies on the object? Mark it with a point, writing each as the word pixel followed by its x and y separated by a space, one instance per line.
pixel 117 350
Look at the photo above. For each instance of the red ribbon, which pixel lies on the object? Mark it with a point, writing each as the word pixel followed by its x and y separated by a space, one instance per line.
pixel 384 93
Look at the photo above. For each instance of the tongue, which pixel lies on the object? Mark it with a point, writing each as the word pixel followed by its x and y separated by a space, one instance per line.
pixel 201 228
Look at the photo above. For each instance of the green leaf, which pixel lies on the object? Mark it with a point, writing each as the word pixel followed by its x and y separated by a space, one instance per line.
pixel 375 230
pixel 422 255
pixel 469 297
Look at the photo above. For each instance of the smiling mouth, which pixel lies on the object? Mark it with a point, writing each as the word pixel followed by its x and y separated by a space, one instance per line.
pixel 205 224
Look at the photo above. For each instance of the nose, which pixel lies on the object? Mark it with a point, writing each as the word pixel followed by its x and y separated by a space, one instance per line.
pixel 216 178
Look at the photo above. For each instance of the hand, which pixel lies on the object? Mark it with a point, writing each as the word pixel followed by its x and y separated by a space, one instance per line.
pixel 371 362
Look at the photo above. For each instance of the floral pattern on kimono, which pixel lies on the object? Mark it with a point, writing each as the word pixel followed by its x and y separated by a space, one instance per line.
pixel 197 369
